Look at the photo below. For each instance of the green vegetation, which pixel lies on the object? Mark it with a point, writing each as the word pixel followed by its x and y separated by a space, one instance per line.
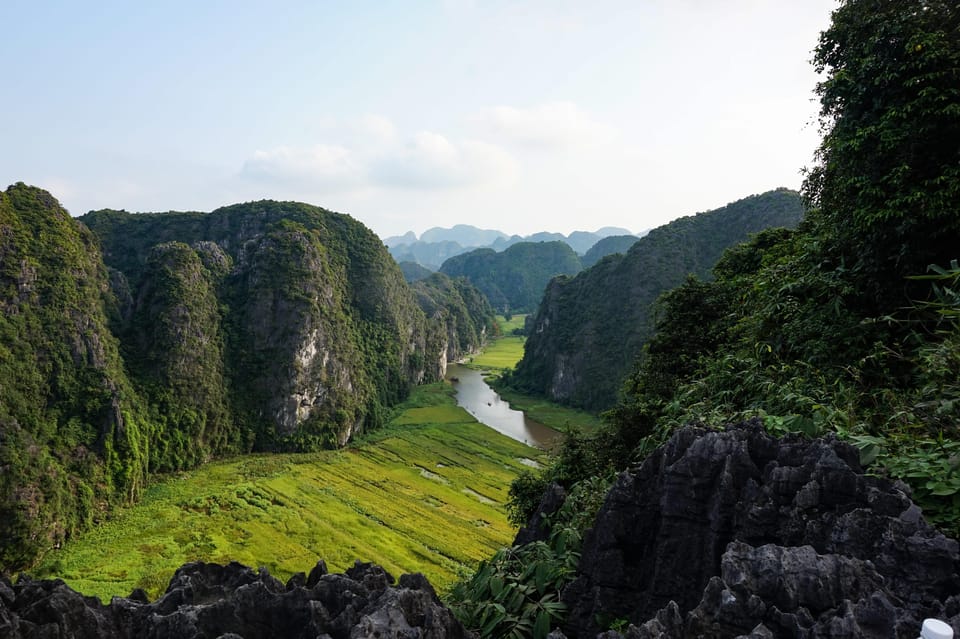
pixel 608 246
pixel 556 416
pixel 516 593
pixel 413 272
pixel 509 325
pixel 593 326
pixel 426 493
pixel 501 354
pixel 289 297
pixel 514 279
pixel 136 344
pixel 458 313
pixel 849 324
pixel 73 438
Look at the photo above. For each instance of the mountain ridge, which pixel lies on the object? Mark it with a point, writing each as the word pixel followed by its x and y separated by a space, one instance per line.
pixel 589 328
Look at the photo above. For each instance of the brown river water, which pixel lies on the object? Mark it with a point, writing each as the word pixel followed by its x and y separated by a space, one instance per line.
pixel 481 401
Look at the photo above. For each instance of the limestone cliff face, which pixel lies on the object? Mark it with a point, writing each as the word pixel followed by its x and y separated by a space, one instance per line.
pixel 140 343
pixel 460 317
pixel 589 329
pixel 69 425
pixel 319 331
pixel 174 336
pixel 293 347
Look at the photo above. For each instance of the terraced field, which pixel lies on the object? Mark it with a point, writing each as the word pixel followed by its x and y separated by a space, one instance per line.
pixel 425 494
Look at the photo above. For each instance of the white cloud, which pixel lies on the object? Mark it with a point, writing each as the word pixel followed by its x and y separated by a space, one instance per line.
pixel 550 126
pixel 330 166
pixel 430 160
pixel 374 155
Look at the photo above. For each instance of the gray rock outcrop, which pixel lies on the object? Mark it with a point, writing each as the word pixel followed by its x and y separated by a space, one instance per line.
pixel 209 600
pixel 736 533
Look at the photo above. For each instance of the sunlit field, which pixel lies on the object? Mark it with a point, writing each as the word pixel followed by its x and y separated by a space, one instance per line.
pixel 426 494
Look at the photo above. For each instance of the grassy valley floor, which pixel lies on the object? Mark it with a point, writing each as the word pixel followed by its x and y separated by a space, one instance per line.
pixel 426 494
pixel 502 354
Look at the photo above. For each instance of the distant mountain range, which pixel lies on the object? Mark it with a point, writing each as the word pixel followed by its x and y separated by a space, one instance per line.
pixel 437 245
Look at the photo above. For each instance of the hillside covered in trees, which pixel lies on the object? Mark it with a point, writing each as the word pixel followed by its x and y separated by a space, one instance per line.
pixel 514 279
pixel 845 329
pixel 142 343
pixel 607 246
pixel 589 329
pixel 847 325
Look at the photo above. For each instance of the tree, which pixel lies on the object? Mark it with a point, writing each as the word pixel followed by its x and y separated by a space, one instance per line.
pixel 887 184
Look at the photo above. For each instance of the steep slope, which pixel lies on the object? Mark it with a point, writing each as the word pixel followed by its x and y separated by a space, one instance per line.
pixel 268 326
pixel 607 246
pixel 460 315
pixel 413 271
pixel 589 329
pixel 71 433
pixel 319 328
pixel 514 279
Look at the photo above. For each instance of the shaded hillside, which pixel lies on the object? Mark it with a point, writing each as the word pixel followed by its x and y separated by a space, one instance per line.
pixel 608 246
pixel 461 317
pixel 72 430
pixel 413 271
pixel 268 326
pixel 317 321
pixel 514 280
pixel 589 329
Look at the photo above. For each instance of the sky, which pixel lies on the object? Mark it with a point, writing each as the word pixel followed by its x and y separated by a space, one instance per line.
pixel 522 116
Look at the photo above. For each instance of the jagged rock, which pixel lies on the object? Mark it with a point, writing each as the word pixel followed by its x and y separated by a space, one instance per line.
pixel 736 533
pixel 235 602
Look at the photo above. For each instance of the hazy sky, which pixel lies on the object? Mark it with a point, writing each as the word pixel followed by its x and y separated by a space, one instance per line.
pixel 516 115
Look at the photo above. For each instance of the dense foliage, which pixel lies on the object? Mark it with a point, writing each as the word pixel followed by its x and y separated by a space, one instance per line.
pixel 266 326
pixel 514 279
pixel 589 329
pixel 607 246
pixel 461 316
pixel 850 323
pixel 516 593
pixel 306 303
pixel 413 271
pixel 72 436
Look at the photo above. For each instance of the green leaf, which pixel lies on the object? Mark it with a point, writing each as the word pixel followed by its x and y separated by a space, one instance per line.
pixel 542 626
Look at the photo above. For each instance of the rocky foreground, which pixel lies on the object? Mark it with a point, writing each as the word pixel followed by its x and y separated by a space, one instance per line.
pixel 233 602
pixel 716 534
pixel 736 533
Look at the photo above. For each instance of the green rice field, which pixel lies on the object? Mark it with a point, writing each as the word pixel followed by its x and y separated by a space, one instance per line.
pixel 426 494
pixel 500 354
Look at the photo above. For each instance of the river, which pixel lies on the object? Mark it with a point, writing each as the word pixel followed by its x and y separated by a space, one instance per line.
pixel 481 401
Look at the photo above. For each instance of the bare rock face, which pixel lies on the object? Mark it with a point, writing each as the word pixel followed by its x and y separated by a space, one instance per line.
pixel 209 600
pixel 735 533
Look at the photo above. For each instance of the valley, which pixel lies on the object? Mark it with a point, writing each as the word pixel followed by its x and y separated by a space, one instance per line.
pixel 425 494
